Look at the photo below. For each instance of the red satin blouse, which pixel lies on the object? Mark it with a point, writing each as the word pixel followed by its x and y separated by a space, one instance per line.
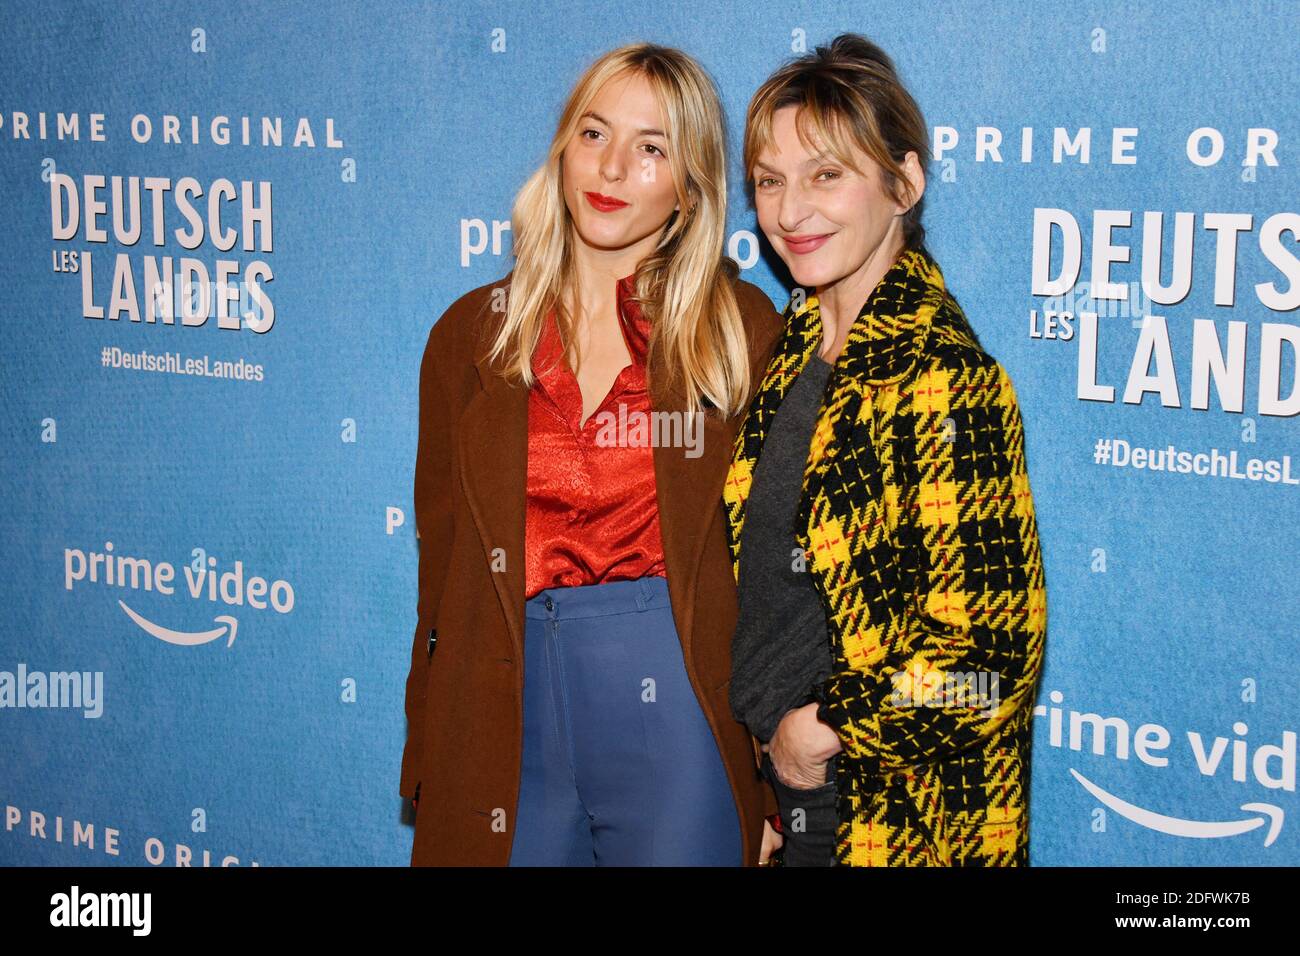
pixel 592 510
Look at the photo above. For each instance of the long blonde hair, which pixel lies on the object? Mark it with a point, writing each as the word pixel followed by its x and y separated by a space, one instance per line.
pixel 694 317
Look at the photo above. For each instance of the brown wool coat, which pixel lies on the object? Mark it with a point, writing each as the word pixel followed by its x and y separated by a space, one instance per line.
pixel 464 691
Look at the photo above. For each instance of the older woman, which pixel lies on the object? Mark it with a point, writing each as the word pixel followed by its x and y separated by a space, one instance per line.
pixel 892 603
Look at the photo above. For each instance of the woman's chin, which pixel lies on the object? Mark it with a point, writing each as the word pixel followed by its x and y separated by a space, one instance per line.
pixel 608 240
pixel 806 276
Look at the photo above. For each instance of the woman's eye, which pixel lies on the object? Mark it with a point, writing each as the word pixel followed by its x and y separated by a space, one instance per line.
pixel 655 148
pixel 765 180
pixel 586 131
pixel 828 172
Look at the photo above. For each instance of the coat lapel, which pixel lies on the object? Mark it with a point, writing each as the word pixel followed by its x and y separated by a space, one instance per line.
pixel 493 447
pixel 882 347
pixel 793 349
pixel 493 434
pixel 689 492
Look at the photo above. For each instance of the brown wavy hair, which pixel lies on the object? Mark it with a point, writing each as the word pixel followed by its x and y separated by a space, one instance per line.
pixel 846 92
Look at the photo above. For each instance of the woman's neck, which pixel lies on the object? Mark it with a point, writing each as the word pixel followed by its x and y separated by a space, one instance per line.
pixel 842 301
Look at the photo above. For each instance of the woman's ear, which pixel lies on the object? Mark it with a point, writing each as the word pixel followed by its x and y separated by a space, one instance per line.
pixel 914 181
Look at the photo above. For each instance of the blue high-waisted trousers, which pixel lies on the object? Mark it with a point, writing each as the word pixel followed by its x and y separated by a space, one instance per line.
pixel 620 766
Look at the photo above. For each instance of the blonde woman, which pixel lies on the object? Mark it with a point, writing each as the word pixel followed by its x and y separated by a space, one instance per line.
pixel 891 667
pixel 567 692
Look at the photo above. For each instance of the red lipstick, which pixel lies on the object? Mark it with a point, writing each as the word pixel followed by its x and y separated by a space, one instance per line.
pixel 801 245
pixel 604 203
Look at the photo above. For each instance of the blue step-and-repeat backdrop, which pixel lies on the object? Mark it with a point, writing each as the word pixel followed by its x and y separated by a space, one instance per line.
pixel 207 517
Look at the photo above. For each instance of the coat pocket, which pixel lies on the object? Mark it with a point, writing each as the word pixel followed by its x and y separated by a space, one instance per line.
pixel 919 792
pixel 1004 837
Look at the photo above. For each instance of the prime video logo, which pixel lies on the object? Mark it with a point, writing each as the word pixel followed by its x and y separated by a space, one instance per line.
pixel 203 580
pixel 83 689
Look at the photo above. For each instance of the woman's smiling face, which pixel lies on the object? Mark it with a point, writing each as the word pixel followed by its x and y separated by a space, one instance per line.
pixel 620 153
pixel 825 219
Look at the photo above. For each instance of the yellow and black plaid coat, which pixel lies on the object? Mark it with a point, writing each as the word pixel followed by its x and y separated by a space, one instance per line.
pixel 918 525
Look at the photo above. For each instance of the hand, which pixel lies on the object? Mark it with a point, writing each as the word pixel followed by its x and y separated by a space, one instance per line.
pixel 772 841
pixel 801 747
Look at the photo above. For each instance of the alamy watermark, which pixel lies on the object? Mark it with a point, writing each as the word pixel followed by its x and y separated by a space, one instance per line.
pixel 74 689
pixel 656 429
pixel 920 687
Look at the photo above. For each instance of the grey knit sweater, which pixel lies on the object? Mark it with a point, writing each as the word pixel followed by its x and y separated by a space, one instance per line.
pixel 781 647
